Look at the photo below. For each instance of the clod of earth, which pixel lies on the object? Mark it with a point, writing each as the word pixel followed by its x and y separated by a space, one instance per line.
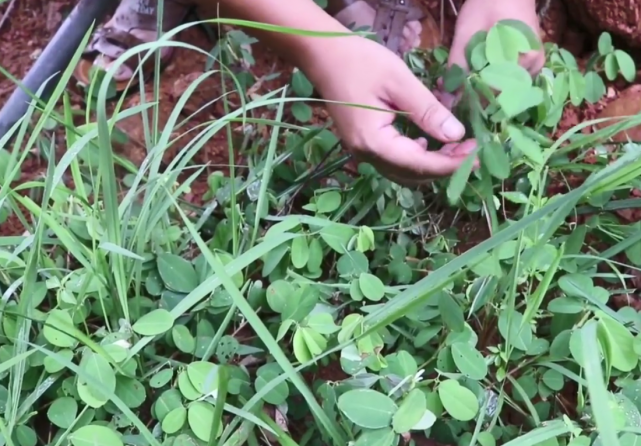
pixel 553 15
pixel 619 17
pixel 627 104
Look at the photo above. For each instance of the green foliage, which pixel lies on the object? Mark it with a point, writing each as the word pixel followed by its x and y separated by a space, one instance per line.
pixel 302 305
pixel 510 113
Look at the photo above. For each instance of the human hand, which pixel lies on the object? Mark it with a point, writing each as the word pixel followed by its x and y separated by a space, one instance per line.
pixel 360 71
pixel 481 15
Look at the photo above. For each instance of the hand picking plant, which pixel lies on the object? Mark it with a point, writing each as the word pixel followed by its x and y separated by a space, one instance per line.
pixel 511 114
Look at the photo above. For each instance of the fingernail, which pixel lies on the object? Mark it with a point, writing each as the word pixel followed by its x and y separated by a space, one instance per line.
pixel 453 129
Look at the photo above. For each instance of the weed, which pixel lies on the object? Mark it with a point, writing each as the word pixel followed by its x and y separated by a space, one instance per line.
pixel 310 306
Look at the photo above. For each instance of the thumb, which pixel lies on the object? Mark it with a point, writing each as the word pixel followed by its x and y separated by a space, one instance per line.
pixel 408 94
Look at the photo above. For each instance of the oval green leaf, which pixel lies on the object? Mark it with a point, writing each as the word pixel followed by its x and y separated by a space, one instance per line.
pixel 155 323
pixel 410 412
pixel 458 401
pixel 367 408
pixel 178 274
pixel 469 361
pixel 93 435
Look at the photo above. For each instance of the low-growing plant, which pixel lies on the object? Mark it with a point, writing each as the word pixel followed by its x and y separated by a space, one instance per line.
pixel 301 304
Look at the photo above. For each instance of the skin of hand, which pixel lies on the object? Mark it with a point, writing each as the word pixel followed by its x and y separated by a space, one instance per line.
pixel 356 70
pixel 481 15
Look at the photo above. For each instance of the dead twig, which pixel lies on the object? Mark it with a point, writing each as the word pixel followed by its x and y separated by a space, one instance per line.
pixel 5 17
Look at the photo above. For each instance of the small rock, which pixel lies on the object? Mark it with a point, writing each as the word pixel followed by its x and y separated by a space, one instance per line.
pixel 627 104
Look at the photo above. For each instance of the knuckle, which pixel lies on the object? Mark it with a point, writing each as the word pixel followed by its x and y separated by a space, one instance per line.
pixel 434 113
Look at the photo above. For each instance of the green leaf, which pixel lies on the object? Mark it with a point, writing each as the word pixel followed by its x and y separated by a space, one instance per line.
pixel 203 376
pixel 611 67
pixel 337 236
pixel 302 112
pixel 532 37
pixel 477 40
pixel 322 323
pixel 469 361
pixel 226 349
pixel 622 355
pixel 299 304
pixel 315 342
pixel 300 252
pixel 367 408
pixel 495 160
pixel 626 65
pixel 506 75
pixel 57 325
pixel 130 391
pixel 451 313
pixel 92 435
pixel 561 88
pixel 279 394
pixel 453 78
pixel 457 400
pixel 272 259
pixel 478 61
pixel 527 146
pixel 410 411
pixel 514 331
pixel 577 87
pixel 63 412
pixel 183 339
pixel 627 439
pixel 553 379
pixel 605 44
pixel 594 87
pixel 377 437
pixel 487 439
pixel 371 286
pixel 632 390
pixel 328 202
pixel 458 181
pixel 301 351
pixel 576 285
pixel 161 378
pixel 504 43
pixel 514 101
pixel 178 274
pixel 155 323
pixel 200 416
pixel 25 435
pixel 278 293
pixel 301 85
pixel 428 419
pixel 600 398
pixel 96 393
pixel 315 255
pixel 174 420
